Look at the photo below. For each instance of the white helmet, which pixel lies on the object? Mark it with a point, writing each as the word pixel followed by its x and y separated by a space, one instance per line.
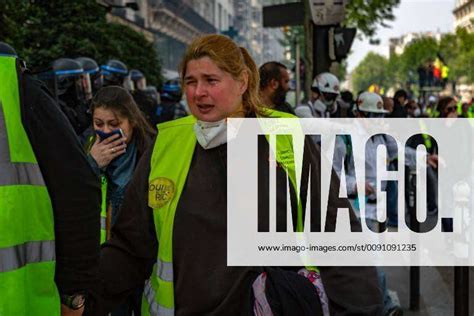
pixel 326 82
pixel 370 102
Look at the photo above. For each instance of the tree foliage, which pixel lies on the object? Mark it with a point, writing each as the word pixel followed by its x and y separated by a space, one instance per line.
pixel 456 50
pixel 366 15
pixel 44 30
pixel 417 53
pixel 371 70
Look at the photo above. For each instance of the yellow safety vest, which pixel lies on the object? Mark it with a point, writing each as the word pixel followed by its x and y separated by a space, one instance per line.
pixel 27 247
pixel 170 162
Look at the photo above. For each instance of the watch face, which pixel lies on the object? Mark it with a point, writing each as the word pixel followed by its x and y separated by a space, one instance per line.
pixel 78 301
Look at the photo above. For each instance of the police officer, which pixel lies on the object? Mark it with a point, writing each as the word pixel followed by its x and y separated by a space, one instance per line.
pixel 170 107
pixel 115 73
pixel 73 91
pixel 49 197
pixel 153 93
pixel 91 67
pixel 144 101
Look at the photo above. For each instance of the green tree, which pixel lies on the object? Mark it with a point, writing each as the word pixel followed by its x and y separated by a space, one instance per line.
pixel 292 34
pixel 395 77
pixel 417 53
pixel 366 15
pixel 42 31
pixel 456 49
pixel 371 70
pixel 458 52
pixel 341 69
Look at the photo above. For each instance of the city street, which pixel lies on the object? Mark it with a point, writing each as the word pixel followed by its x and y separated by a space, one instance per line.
pixel 437 289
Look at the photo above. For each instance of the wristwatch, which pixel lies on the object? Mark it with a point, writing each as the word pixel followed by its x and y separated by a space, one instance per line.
pixel 75 301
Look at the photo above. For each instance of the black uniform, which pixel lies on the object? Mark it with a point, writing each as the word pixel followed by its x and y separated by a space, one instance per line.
pixel 72 186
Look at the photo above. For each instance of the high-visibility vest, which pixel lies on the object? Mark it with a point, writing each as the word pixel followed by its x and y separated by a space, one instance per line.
pixel 170 162
pixel 27 247
pixel 103 211
pixel 426 137
pixel 104 205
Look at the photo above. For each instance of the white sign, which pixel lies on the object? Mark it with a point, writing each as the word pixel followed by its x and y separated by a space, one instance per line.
pixel 262 231
pixel 327 12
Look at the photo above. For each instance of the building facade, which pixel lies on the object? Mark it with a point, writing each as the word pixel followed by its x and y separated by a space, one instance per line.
pixel 219 13
pixel 242 22
pixel 173 24
pixel 256 31
pixel 464 14
pixel 273 50
pixel 397 45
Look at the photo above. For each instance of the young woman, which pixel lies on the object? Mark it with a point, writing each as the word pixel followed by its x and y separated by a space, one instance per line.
pixel 115 157
pixel 122 135
pixel 171 230
pixel 447 107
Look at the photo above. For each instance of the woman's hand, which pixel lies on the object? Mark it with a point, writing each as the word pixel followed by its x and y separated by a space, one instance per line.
pixel 105 151
pixel 66 311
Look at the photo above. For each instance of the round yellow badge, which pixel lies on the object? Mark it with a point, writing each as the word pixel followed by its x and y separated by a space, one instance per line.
pixel 160 192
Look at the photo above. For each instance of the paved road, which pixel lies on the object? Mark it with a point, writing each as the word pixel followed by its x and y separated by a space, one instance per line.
pixel 437 289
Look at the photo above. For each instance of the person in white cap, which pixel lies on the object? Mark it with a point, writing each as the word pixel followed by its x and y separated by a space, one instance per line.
pixel 324 92
pixel 370 105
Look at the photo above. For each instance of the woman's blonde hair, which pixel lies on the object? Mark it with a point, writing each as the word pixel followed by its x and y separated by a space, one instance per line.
pixel 230 58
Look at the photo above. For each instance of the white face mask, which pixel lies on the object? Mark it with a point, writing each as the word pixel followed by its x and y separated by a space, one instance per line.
pixel 323 106
pixel 417 112
pixel 319 106
pixel 211 134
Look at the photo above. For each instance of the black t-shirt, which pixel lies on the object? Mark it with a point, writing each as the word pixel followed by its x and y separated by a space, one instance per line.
pixel 72 186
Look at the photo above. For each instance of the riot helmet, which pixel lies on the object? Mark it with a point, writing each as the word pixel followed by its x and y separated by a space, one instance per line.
pixel 72 83
pixel 152 92
pixel 90 66
pixel 171 91
pixel 138 79
pixel 7 50
pixel 115 73
pixel 73 92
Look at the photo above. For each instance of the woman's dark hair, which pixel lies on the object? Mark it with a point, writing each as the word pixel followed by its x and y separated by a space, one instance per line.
pixel 121 102
pixel 443 104
pixel 400 93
